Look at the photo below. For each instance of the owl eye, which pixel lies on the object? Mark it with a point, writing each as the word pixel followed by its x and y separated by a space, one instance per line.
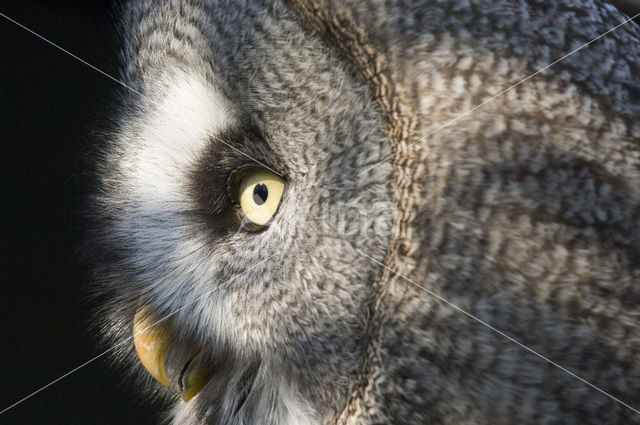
pixel 260 192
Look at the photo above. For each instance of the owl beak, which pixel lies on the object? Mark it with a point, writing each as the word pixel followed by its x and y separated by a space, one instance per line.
pixel 194 376
pixel 152 339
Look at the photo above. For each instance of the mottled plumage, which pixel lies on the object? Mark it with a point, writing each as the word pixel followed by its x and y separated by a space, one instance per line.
pixel 524 213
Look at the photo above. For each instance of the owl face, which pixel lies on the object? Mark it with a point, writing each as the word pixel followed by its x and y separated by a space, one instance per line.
pixel 230 209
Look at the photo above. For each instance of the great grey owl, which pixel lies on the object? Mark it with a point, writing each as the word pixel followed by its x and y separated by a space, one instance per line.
pixel 303 218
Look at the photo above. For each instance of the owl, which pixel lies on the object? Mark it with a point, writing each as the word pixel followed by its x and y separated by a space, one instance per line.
pixel 374 212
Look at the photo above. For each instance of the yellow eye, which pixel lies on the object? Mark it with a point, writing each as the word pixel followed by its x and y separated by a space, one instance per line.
pixel 260 193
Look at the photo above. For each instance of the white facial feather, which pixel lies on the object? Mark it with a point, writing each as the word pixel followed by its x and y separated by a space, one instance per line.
pixel 174 132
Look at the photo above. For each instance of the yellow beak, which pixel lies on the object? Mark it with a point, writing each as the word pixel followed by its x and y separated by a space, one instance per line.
pixel 194 377
pixel 152 338
pixel 152 341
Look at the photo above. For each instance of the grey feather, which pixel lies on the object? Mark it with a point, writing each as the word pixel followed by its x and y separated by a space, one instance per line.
pixel 524 213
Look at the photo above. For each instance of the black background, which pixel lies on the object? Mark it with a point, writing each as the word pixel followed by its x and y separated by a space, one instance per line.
pixel 50 103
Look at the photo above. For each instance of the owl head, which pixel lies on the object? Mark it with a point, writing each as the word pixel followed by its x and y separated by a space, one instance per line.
pixel 229 212
pixel 247 171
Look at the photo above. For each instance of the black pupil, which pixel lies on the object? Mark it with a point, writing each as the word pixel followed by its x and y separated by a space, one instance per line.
pixel 260 193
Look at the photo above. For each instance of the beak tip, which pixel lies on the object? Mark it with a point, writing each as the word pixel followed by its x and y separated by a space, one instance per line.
pixel 152 342
pixel 188 393
pixel 163 378
pixel 194 377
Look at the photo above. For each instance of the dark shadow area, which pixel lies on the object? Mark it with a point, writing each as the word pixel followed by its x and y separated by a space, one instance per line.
pixel 50 103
